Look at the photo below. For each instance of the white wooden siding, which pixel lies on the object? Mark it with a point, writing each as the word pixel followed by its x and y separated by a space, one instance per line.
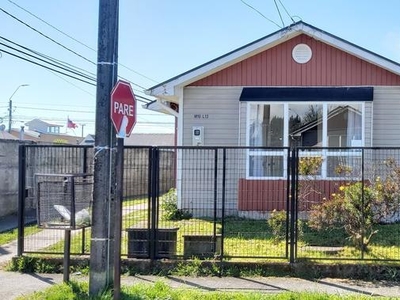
pixel 218 108
pixel 386 117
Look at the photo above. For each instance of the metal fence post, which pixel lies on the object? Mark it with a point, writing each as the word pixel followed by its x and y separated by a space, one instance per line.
pixel 223 209
pixel 215 197
pixel 21 197
pixel 362 202
pixel 293 213
pixel 153 207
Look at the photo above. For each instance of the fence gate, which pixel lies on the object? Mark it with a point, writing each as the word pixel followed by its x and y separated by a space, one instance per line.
pixel 203 202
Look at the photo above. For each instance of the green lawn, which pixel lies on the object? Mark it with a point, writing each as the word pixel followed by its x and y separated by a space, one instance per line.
pixel 11 235
pixel 246 238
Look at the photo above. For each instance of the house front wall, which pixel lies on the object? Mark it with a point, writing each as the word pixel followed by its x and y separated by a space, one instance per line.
pixel 385 127
pixel 213 105
pixel 328 66
pixel 216 109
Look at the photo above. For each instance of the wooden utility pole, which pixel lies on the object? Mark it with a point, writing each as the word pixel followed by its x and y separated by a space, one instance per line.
pixel 102 241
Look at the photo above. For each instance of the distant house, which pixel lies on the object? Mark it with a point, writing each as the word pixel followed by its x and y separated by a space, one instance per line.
pixel 42 126
pixel 140 139
pixel 150 139
pixel 88 140
pixel 4 135
pixel 44 132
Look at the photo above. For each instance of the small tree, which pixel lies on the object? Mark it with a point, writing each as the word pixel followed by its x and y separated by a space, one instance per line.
pixel 357 207
pixel 351 209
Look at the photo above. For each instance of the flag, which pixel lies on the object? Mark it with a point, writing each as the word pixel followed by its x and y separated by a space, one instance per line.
pixel 71 124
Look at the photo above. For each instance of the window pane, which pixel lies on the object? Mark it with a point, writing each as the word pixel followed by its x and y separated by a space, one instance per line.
pixel 266 166
pixel 344 125
pixel 305 125
pixel 266 125
pixel 344 166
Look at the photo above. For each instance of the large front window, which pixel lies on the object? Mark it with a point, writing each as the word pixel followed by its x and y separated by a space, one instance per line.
pixel 327 124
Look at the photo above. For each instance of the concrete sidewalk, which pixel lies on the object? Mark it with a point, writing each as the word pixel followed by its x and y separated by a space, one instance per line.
pixel 16 284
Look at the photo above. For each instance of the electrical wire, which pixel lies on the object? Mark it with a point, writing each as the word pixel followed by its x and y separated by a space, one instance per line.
pixel 290 16
pixel 279 12
pixel 260 13
pixel 55 60
pixel 74 39
pixel 48 24
pixel 76 86
pixel 47 37
pixel 62 65
pixel 46 67
pixel 50 63
pixel 47 57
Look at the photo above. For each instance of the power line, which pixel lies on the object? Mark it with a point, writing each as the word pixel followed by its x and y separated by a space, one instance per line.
pixel 47 37
pixel 48 24
pixel 76 86
pixel 46 67
pixel 290 16
pixel 279 12
pixel 58 64
pixel 260 13
pixel 50 58
pixel 74 39
pixel 50 63
pixel 54 109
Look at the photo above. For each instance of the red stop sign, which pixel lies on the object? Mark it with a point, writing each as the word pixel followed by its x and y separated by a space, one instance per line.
pixel 123 108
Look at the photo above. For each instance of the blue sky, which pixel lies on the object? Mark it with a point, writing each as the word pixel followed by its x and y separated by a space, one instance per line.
pixel 159 39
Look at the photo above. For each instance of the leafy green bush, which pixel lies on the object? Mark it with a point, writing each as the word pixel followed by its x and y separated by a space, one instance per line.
pixel 169 205
pixel 277 223
pixel 353 209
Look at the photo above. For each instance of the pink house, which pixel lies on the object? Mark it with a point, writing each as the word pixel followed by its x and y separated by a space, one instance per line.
pixel 297 86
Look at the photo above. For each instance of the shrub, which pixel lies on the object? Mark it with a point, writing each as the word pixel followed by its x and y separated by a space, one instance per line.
pixel 169 205
pixel 353 209
pixel 310 165
pixel 277 222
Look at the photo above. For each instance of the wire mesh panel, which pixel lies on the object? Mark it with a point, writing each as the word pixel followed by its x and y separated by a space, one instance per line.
pixel 64 200
pixel 348 203
pixel 256 213
pixel 54 159
pixel 228 202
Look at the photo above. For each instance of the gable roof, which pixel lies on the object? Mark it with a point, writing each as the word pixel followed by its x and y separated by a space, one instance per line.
pixel 165 90
pixel 140 139
pixel 48 123
pixel 4 135
pixel 150 139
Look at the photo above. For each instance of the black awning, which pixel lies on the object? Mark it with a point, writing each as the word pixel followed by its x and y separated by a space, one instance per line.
pixel 307 94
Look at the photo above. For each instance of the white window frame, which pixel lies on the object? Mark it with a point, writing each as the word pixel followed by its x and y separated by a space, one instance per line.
pixel 323 152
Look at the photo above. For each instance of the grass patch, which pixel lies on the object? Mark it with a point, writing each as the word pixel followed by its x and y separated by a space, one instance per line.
pixel 247 239
pixel 11 235
pixel 161 290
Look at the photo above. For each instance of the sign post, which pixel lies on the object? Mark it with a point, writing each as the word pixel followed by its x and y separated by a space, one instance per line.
pixel 123 116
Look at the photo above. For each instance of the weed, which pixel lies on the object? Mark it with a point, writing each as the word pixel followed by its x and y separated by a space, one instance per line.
pixel 169 205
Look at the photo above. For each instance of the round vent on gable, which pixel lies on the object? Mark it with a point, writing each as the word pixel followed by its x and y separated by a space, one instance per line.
pixel 302 53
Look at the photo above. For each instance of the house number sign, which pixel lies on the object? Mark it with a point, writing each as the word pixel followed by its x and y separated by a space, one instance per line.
pixel 200 116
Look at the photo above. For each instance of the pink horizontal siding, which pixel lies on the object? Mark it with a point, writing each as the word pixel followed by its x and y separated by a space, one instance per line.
pixel 275 67
pixel 269 195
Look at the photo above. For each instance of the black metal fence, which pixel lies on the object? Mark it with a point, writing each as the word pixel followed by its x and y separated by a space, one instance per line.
pixel 237 202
